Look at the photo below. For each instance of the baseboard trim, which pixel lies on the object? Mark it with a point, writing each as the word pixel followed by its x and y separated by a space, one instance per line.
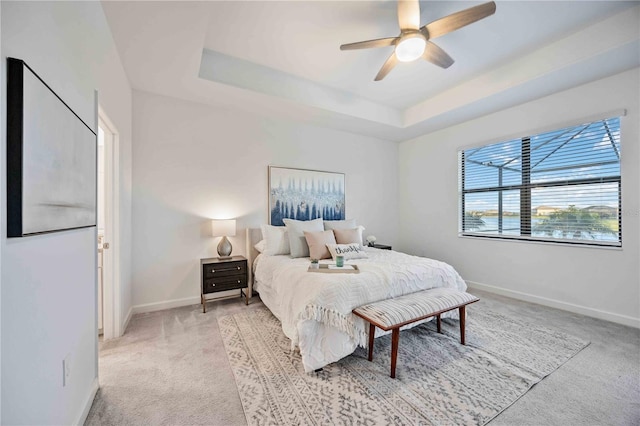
pixel 88 403
pixel 166 304
pixel 125 324
pixel 558 304
pixel 176 303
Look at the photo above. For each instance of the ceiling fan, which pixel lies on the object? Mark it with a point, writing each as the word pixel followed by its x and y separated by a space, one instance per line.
pixel 415 41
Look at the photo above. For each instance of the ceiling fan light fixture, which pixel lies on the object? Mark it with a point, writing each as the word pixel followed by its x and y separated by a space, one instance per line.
pixel 410 47
pixel 414 40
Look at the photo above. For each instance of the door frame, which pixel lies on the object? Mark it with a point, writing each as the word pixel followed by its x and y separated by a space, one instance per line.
pixel 112 305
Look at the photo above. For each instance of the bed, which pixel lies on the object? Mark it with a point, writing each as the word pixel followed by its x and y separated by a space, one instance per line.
pixel 315 308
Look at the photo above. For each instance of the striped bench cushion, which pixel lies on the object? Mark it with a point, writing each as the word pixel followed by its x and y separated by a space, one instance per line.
pixel 408 308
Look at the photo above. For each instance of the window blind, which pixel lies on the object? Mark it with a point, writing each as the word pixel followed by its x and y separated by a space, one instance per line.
pixel 558 186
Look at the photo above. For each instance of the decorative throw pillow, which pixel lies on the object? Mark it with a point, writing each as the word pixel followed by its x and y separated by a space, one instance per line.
pixel 276 240
pixel 260 246
pixel 296 228
pixel 340 224
pixel 317 242
pixel 349 236
pixel 349 251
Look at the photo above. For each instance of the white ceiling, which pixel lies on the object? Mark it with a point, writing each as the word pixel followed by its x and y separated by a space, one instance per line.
pixel 283 58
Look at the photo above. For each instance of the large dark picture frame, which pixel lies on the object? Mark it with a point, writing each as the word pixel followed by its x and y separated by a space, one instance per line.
pixel 51 159
pixel 305 195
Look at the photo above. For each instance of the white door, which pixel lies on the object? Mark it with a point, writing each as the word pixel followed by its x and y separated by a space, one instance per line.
pixel 101 202
pixel 108 283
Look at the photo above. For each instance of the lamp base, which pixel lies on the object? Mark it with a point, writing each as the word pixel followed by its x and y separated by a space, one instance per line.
pixel 224 248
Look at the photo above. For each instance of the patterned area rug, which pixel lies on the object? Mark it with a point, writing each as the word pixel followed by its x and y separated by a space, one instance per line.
pixel 438 380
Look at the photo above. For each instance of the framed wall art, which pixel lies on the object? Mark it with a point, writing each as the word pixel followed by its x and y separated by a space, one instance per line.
pixel 51 159
pixel 305 195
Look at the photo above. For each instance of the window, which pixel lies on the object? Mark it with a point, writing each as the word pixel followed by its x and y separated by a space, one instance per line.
pixel 559 186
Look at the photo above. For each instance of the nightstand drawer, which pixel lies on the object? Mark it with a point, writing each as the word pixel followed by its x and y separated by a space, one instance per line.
pixel 213 270
pixel 213 285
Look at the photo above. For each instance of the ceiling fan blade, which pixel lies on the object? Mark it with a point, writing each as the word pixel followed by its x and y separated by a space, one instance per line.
pixel 434 54
pixel 380 42
pixel 409 14
pixel 387 67
pixel 457 20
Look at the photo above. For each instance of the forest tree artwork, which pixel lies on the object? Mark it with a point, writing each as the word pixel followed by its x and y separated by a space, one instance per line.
pixel 305 195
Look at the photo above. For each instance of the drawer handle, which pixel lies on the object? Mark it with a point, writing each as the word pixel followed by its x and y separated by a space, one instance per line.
pixel 226 269
pixel 214 284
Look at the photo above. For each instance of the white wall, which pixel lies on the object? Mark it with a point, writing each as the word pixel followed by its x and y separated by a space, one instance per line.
pixel 600 282
pixel 194 162
pixel 49 281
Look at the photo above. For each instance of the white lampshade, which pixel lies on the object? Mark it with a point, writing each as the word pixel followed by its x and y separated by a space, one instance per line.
pixel 223 228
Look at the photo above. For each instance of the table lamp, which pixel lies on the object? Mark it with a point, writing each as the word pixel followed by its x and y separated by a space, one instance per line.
pixel 224 229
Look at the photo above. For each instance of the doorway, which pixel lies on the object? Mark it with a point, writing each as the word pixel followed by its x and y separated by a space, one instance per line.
pixel 109 315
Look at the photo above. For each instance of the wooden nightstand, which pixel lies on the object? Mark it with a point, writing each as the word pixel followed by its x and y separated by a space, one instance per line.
pixel 221 275
pixel 382 247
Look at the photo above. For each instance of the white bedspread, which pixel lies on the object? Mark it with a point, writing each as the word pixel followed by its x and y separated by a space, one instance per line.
pixel 315 308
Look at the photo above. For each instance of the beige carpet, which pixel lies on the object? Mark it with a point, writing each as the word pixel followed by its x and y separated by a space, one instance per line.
pixel 141 372
pixel 438 380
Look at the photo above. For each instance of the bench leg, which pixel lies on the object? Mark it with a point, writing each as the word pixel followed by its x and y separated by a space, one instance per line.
pixel 395 337
pixel 439 321
pixel 462 311
pixel 372 335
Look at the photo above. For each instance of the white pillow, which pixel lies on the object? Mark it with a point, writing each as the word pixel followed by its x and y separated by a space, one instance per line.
pixel 276 240
pixel 349 251
pixel 297 241
pixel 260 246
pixel 339 224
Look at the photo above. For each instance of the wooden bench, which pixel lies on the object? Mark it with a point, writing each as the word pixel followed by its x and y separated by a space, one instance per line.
pixel 391 314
